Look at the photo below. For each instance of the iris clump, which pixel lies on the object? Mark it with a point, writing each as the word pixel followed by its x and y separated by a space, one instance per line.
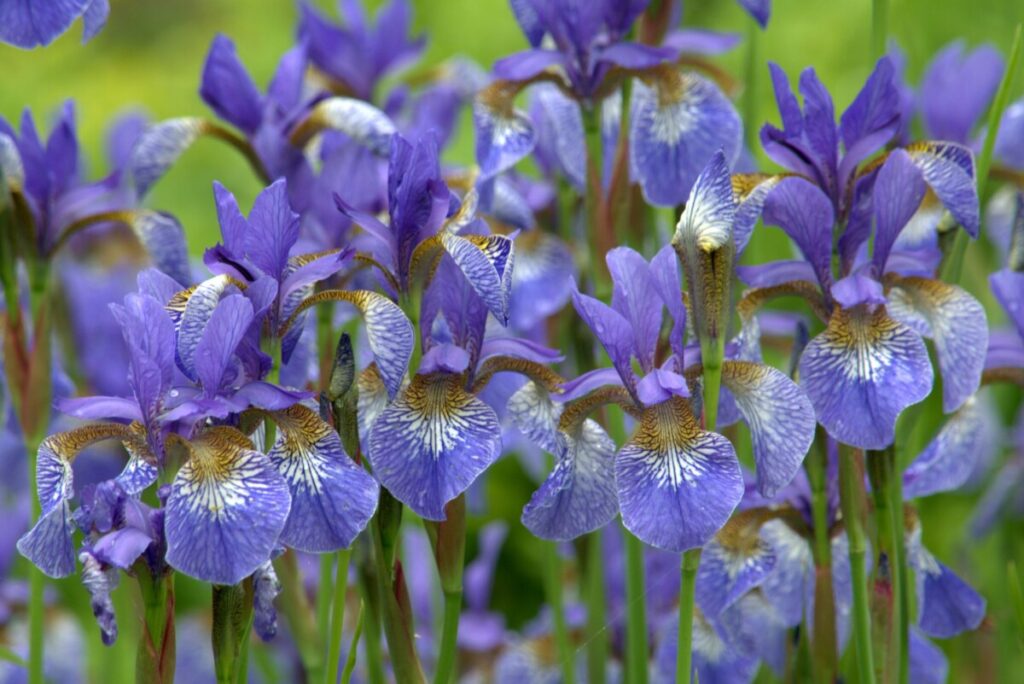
pixel 645 389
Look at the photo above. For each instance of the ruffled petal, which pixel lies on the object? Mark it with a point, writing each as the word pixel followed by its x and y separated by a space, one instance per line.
pixel 949 459
pixel 432 442
pixel 579 494
pixel 677 485
pixel 266 587
pixel 732 564
pixel 100 583
pixel 160 146
pixel 792 580
pixel 226 510
pixel 674 130
pixel 946 605
pixel 948 169
pixel 956 322
pixel 860 374
pixel 486 261
pixel 561 142
pixel 504 135
pixel 332 498
pixel 191 311
pixel 360 121
pixel 780 418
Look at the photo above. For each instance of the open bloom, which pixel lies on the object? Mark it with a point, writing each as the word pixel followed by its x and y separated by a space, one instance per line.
pixel 437 436
pixel 871 362
pixel 674 483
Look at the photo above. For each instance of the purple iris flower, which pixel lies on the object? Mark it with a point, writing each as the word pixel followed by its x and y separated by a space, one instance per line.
pixel 47 178
pixel 871 361
pixel 587 38
pixel 357 55
pixel 674 483
pixel 677 119
pixel 437 436
pixel 33 24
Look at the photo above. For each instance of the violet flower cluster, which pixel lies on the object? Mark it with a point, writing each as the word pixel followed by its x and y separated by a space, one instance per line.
pixel 721 483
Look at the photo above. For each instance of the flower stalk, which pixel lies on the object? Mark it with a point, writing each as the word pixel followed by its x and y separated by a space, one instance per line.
pixel 553 586
pixel 823 646
pixel 232 616
pixel 337 618
pixel 851 487
pixel 155 658
pixel 448 539
pixel 597 642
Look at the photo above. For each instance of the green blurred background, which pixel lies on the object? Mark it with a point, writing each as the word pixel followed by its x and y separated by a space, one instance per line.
pixel 150 55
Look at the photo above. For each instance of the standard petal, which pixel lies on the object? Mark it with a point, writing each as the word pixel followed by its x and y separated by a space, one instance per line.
pixel 636 296
pixel 273 230
pixel 805 213
pixel 229 89
pixel 955 321
pixel 332 498
pixel 612 330
pixel 191 310
pixel 31 24
pixel 561 142
pixel 223 333
pixel 898 192
pixel 432 443
pixel 226 510
pixel 860 374
pixel 674 131
pixel 1008 288
pixel 956 90
pixel 780 418
pixel 579 494
pixel 524 65
pixel 872 118
pixel 677 484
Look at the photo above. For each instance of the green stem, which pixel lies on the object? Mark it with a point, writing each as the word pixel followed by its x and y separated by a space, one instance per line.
pixel 851 496
pixel 338 615
pixel 350 659
pixel 750 71
pixel 324 599
pixel 155 657
pixel 597 635
pixel 636 618
pixel 953 263
pixel 823 647
pixel 684 654
pixel 879 27
pixel 449 637
pixel 371 615
pixel 232 615
pixel 553 585
pixel 887 645
pixel 902 573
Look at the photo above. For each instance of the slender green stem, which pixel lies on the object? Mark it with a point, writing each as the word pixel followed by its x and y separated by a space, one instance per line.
pixel 886 607
pixel 879 27
pixel 636 613
pixel 353 649
pixel 243 653
pixel 751 68
pixel 371 642
pixel 449 638
pixel 232 615
pixel 823 647
pixel 553 585
pixel 902 573
pixel 155 656
pixel 636 608
pixel 953 263
pixel 337 616
pixel 324 598
pixel 684 654
pixel 597 635
pixel 851 496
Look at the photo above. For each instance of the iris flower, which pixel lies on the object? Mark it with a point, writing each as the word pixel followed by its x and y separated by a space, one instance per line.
pixel 674 483
pixel 871 362
pixel 437 436
pixel 55 203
